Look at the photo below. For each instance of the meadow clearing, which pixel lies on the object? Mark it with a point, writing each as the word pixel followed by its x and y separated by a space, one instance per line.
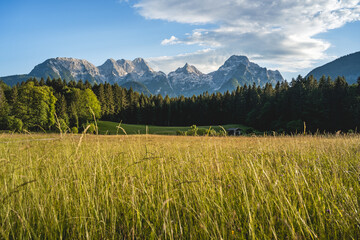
pixel 112 128
pixel 177 187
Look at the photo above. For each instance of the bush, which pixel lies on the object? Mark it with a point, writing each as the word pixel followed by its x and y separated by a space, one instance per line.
pixel 222 133
pixel 211 132
pixel 91 129
pixel 193 131
pixel 74 130
pixel 14 124
pixel 202 132
pixel 180 133
pixel 295 126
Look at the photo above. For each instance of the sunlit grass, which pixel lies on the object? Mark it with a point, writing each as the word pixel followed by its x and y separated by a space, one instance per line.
pixel 150 187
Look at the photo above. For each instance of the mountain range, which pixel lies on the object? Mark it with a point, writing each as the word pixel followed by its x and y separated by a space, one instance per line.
pixel 187 80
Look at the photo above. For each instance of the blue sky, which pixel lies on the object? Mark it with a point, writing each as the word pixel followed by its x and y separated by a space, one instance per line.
pixel 292 36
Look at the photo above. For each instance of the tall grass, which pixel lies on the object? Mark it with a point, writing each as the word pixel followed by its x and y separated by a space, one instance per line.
pixel 150 187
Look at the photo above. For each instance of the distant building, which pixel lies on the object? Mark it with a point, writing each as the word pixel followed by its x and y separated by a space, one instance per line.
pixel 233 131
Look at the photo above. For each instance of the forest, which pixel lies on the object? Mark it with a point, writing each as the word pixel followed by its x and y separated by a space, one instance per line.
pixel 323 105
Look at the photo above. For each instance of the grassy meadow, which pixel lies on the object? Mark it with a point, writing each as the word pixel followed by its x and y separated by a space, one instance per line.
pixel 111 128
pixel 177 187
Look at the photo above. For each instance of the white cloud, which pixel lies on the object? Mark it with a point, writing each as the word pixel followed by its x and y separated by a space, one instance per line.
pixel 281 31
pixel 171 41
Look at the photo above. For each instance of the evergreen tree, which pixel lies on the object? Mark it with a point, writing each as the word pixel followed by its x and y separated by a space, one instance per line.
pixel 58 85
pixel 87 85
pixel 71 84
pixel 14 95
pixel 120 101
pixel 42 82
pixel 48 82
pixel 4 108
pixel 100 93
pixel 109 102
pixel 80 85
pixel 167 111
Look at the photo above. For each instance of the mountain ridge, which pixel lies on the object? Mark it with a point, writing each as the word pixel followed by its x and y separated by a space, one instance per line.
pixel 347 66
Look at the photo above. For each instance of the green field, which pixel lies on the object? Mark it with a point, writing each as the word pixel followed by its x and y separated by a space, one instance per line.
pixel 111 128
pixel 178 187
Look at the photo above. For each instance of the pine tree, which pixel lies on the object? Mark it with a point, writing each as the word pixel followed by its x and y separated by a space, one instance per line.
pixel 109 101
pixel 35 81
pixel 3 103
pixel 13 99
pixel 100 93
pixel 14 95
pixel 42 82
pixel 167 111
pixel 58 85
pixel 71 84
pixel 80 85
pixel 120 101
pixel 87 85
pixel 49 81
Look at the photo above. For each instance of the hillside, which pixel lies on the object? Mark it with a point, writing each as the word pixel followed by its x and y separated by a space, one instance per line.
pixel 347 66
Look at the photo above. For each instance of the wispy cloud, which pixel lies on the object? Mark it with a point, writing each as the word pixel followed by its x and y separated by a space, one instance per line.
pixel 282 31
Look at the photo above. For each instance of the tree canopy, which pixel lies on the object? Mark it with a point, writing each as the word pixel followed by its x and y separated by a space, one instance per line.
pixel 324 105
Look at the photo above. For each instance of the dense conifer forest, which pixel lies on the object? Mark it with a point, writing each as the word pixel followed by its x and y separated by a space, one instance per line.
pixel 47 105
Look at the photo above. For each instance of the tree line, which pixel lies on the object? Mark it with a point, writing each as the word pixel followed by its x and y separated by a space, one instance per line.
pixel 46 106
pixel 321 105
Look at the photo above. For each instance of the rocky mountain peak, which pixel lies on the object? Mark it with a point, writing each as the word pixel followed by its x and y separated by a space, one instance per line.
pixel 72 63
pixel 245 72
pixel 111 68
pixel 141 66
pixel 189 69
pixel 235 60
pixel 126 65
pixel 110 61
pixel 139 61
pixel 109 64
pixel 66 68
